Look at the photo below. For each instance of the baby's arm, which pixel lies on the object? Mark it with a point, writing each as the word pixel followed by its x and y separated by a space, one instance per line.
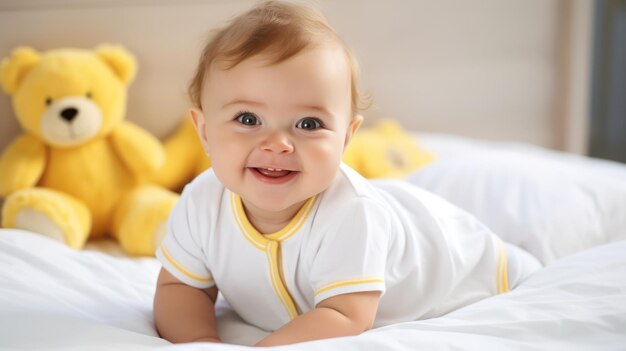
pixel 341 315
pixel 183 313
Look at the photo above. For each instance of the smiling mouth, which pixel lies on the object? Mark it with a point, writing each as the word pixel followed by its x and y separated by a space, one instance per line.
pixel 273 175
pixel 273 172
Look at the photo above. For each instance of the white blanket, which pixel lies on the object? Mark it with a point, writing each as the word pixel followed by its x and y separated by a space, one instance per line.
pixel 52 297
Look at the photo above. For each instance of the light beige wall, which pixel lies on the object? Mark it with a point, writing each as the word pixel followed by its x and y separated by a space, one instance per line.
pixel 481 68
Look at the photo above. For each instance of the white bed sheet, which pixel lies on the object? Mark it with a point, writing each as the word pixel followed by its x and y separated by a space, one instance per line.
pixel 52 297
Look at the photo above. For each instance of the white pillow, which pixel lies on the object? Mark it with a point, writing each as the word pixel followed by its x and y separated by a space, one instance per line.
pixel 552 204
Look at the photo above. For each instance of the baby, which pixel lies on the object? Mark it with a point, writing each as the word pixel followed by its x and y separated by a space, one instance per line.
pixel 298 243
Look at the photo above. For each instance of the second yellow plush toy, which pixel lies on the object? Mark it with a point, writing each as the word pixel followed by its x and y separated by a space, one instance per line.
pixel 385 151
pixel 79 170
pixel 185 158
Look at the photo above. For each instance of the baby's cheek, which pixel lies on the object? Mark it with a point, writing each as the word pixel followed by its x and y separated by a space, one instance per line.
pixel 326 157
pixel 332 151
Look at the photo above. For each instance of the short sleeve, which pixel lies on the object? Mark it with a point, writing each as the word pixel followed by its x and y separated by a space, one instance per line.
pixel 353 251
pixel 181 252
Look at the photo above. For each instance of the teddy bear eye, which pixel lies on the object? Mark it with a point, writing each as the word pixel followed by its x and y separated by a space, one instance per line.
pixel 88 95
pixel 48 101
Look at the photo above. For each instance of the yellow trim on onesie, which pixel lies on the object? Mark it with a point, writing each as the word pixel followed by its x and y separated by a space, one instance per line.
pixel 345 282
pixel 502 269
pixel 277 282
pixel 183 269
pixel 270 243
pixel 239 213
pixel 260 240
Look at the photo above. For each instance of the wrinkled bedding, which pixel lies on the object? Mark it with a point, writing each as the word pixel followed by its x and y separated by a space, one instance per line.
pixel 52 297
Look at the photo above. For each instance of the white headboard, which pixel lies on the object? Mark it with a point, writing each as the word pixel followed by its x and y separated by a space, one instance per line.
pixel 495 69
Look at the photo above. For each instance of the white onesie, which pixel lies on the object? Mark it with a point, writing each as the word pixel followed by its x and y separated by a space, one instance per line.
pixel 426 256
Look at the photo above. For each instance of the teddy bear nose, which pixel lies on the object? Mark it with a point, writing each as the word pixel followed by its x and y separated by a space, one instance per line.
pixel 69 114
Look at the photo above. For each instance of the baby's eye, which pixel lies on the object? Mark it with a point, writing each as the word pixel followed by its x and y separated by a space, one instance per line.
pixel 309 123
pixel 248 119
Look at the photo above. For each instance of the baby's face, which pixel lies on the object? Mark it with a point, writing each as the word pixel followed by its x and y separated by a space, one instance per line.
pixel 276 133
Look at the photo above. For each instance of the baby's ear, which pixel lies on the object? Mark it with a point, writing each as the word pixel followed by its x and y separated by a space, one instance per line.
pixel 121 61
pixel 14 68
pixel 355 123
pixel 199 123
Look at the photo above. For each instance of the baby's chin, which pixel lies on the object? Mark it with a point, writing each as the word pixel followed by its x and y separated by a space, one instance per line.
pixel 274 203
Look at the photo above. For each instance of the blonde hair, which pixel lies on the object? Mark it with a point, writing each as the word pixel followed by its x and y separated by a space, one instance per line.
pixel 276 28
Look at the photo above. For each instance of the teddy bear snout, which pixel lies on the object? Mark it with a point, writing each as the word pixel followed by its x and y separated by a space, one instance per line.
pixel 70 121
pixel 69 114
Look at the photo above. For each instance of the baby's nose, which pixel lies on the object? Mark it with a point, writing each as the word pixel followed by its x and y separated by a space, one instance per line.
pixel 277 142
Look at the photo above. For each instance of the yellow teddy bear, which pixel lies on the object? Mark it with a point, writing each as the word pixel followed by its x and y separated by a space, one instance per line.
pixel 79 170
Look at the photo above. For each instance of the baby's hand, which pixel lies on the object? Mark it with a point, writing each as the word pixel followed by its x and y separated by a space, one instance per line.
pixel 340 315
pixel 183 313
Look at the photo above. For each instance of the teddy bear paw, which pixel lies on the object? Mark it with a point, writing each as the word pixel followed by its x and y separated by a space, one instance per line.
pixel 141 221
pixel 35 221
pixel 50 213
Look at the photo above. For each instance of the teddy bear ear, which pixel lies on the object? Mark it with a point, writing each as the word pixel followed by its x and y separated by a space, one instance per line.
pixel 122 62
pixel 14 68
